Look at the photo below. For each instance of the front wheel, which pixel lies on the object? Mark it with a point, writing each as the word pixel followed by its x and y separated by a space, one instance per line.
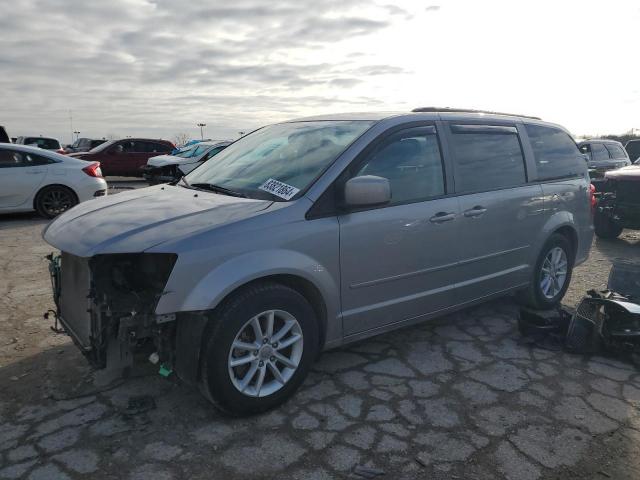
pixel 552 274
pixel 259 349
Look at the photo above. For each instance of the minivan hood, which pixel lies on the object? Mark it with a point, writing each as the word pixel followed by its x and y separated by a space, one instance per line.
pixel 137 220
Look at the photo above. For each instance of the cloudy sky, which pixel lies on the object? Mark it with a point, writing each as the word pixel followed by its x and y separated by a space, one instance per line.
pixel 158 67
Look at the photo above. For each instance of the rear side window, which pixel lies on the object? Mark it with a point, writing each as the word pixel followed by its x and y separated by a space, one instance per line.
pixel 557 155
pixel 616 151
pixel 161 147
pixel 13 158
pixel 213 152
pixel 487 157
pixel 599 152
pixel 411 161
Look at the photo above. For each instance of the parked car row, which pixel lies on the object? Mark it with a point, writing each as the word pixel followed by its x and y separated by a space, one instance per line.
pixel 315 233
pixel 169 168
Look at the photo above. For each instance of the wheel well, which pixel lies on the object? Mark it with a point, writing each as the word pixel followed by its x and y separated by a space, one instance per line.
pixel 35 197
pixel 571 235
pixel 304 287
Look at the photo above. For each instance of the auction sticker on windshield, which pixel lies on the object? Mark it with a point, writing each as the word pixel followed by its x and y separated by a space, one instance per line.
pixel 279 189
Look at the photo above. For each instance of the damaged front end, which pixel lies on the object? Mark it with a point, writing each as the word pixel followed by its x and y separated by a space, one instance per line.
pixel 107 303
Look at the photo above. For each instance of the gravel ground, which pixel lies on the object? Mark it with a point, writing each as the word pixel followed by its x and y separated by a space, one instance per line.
pixel 455 398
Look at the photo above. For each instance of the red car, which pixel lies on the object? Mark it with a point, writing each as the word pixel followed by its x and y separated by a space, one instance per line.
pixel 125 157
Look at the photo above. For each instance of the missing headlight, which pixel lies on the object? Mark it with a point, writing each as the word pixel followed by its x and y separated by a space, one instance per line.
pixel 131 282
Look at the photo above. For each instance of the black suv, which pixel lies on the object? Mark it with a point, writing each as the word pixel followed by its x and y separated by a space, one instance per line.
pixel 618 205
pixel 602 156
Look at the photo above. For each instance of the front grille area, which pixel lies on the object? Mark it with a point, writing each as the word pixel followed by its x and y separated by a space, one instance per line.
pixel 75 281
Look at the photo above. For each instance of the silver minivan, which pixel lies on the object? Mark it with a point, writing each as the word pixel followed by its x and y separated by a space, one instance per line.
pixel 310 234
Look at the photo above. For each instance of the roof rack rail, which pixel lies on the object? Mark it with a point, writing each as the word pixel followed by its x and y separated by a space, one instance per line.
pixel 468 110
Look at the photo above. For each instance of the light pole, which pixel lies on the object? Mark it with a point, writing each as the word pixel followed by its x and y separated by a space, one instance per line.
pixel 201 125
pixel 77 133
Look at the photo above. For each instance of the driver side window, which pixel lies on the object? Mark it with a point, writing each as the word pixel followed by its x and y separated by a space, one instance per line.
pixel 412 163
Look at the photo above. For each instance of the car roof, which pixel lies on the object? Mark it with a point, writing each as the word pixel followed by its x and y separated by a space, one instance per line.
pixel 38 136
pixel 140 139
pixel 431 113
pixel 599 140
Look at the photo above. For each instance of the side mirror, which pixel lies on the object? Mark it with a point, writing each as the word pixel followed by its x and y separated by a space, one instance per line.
pixel 367 191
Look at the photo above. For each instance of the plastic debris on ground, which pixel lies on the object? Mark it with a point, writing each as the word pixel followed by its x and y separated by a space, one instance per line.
pixel 607 320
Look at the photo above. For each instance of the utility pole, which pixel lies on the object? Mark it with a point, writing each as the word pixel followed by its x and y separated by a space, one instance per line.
pixel 201 125
pixel 71 125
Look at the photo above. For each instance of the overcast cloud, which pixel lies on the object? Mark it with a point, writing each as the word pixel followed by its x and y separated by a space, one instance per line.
pixel 158 67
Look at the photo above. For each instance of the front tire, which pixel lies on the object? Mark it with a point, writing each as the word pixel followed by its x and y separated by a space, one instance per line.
pixel 259 350
pixel 53 200
pixel 551 275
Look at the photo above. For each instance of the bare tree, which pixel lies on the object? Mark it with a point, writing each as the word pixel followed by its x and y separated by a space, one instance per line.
pixel 180 139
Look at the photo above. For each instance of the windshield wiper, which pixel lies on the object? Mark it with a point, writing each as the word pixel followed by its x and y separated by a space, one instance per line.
pixel 218 189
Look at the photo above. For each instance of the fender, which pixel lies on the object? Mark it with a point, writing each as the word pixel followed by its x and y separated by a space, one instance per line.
pixel 553 223
pixel 211 289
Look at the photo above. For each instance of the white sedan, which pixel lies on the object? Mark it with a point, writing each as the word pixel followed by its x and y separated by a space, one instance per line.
pixel 50 183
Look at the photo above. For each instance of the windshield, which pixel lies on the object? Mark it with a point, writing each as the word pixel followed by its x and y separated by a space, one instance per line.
pixel 194 151
pixel 103 146
pixel 278 161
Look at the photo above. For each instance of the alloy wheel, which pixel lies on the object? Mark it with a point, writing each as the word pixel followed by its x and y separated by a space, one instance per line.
pixel 554 272
pixel 56 201
pixel 265 353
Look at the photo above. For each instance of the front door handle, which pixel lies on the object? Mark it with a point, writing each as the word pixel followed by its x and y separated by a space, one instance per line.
pixel 475 211
pixel 442 217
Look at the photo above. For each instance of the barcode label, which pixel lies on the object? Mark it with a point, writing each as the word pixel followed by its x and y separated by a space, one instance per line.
pixel 279 189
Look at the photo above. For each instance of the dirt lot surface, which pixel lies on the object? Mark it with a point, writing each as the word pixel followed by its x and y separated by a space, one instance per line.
pixel 459 397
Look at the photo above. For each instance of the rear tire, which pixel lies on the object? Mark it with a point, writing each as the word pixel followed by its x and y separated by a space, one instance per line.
pixel 551 275
pixel 605 227
pixel 270 367
pixel 53 200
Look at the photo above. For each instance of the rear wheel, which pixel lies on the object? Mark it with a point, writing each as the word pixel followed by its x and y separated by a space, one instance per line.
pixel 551 275
pixel 53 200
pixel 605 227
pixel 259 350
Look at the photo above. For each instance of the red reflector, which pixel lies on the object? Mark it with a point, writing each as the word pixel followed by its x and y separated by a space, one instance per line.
pixel 93 170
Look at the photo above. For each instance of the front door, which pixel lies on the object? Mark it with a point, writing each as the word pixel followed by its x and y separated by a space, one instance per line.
pixel 397 262
pixel 501 214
